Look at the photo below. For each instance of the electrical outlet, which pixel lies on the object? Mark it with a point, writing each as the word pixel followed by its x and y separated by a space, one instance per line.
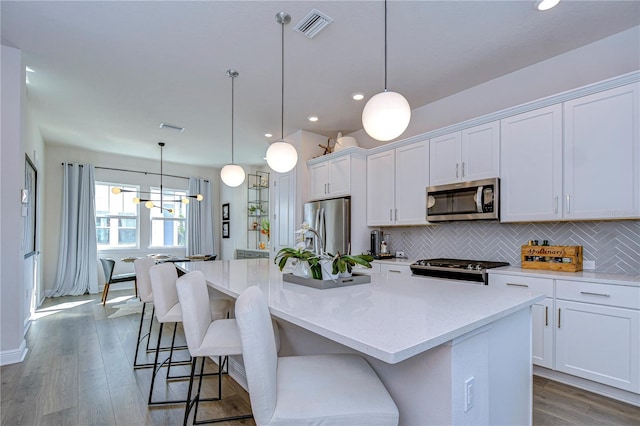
pixel 589 264
pixel 469 390
pixel 399 254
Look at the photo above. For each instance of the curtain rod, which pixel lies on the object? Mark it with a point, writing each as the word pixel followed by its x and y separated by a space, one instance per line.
pixel 136 171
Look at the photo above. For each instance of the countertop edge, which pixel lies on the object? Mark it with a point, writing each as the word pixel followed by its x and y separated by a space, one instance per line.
pixel 584 276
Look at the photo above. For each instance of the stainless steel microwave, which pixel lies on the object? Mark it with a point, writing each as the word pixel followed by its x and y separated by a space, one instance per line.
pixel 473 200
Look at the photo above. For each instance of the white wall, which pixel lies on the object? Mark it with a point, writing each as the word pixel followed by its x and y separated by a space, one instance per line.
pixel 12 317
pixel 610 57
pixel 56 154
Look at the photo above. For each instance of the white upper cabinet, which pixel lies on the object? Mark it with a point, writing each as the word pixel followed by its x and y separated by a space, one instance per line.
pixel 380 188
pixel 531 165
pixel 396 185
pixel 331 178
pixel 471 154
pixel 602 155
pixel 579 160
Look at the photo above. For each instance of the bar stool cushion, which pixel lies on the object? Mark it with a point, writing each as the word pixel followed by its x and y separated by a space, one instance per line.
pixel 305 390
pixel 142 266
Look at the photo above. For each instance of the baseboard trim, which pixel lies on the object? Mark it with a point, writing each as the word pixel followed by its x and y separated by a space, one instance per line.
pixel 14 356
pixel 588 385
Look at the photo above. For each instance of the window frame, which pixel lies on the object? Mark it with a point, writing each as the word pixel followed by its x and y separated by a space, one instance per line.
pixel 175 193
pixel 118 217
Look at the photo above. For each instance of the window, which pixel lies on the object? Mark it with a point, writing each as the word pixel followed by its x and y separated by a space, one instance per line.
pixel 116 217
pixel 168 229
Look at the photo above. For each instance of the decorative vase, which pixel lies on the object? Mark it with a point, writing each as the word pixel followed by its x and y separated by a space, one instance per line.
pixel 301 269
pixel 326 267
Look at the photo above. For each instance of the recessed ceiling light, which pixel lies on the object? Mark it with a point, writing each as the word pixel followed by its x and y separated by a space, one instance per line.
pixel 546 4
pixel 268 135
pixel 312 118
pixel 357 96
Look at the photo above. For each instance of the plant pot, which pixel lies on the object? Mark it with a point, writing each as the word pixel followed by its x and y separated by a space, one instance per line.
pixel 301 269
pixel 326 270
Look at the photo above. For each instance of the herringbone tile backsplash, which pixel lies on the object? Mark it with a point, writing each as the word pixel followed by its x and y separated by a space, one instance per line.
pixel 614 246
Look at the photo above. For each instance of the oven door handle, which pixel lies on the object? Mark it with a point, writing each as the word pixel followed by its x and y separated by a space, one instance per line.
pixel 479 201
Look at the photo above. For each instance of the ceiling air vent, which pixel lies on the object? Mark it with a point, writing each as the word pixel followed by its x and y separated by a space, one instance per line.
pixel 313 23
pixel 172 127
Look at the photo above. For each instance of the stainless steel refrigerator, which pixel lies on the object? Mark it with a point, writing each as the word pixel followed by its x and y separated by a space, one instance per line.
pixel 332 220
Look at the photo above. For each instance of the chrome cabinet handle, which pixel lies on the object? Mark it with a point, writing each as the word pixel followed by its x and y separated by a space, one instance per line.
pixel 390 215
pixel 457 169
pixel 558 317
pixel 395 271
pixel 463 169
pixel 568 203
pixel 546 316
pixel 396 215
pixel 517 285
pixel 555 204
pixel 595 294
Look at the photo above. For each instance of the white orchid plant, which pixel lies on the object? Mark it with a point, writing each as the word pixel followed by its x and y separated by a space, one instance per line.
pixel 340 263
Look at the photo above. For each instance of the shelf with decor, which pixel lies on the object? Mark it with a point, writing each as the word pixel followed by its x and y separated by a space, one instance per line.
pixel 258 226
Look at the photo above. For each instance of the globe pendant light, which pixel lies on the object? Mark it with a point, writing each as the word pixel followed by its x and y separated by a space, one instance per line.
pixel 232 174
pixel 387 114
pixel 281 155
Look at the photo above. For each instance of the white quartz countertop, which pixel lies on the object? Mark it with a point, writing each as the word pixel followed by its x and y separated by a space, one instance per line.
pixel 392 318
pixel 596 277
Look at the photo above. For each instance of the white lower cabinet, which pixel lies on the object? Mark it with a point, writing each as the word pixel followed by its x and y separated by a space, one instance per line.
pixel 591 329
pixel 542 314
pixel 599 340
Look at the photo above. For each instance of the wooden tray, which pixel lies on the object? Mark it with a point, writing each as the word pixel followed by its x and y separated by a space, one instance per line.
pixel 552 258
pixel 325 284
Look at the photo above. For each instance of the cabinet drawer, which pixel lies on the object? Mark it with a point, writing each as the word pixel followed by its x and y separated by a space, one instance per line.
pixel 600 294
pixel 396 269
pixel 542 285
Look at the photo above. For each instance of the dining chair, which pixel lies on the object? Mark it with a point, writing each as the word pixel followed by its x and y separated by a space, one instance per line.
pixel 142 266
pixel 107 266
pixel 206 337
pixel 297 389
pixel 167 309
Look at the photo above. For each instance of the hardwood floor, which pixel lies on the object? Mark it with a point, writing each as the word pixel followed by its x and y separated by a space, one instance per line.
pixel 78 372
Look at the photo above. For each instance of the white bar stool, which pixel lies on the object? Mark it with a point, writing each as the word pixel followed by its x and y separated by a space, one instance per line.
pixel 305 390
pixel 142 267
pixel 206 337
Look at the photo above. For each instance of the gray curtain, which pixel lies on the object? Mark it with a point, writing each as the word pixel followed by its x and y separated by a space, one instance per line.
pixel 77 253
pixel 200 232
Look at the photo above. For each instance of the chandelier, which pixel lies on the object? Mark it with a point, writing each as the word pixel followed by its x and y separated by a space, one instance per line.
pixel 150 203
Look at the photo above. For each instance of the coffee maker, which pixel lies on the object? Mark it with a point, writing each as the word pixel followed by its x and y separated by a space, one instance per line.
pixel 376 241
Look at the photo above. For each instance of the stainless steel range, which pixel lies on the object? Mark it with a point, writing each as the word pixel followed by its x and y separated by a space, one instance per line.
pixel 458 269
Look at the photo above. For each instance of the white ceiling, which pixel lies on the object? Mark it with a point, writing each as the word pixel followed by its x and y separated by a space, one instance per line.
pixel 108 72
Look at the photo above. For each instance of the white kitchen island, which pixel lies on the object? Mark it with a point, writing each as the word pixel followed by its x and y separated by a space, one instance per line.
pixel 448 352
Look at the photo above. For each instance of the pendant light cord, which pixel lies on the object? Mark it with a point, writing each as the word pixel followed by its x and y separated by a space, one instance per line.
pixel 161 189
pixel 385 45
pixel 232 97
pixel 282 88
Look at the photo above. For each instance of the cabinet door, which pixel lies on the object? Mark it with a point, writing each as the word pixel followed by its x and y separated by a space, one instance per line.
pixel 602 155
pixel 542 313
pixel 380 188
pixel 411 181
pixel 319 177
pixel 283 220
pixel 480 150
pixel 531 166
pixel 542 333
pixel 339 182
pixel 444 159
pixel 599 343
